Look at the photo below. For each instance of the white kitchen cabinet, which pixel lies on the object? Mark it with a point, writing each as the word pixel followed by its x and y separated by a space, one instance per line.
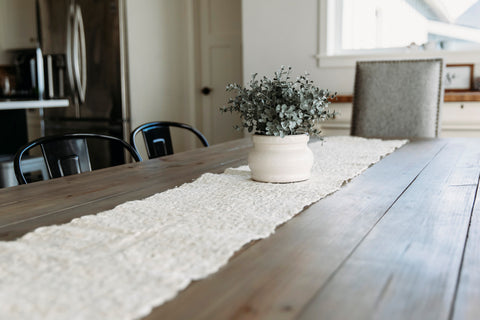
pixel 18 24
pixel 459 119
pixel 340 126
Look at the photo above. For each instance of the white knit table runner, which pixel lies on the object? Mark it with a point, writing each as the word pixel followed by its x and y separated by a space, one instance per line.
pixel 121 263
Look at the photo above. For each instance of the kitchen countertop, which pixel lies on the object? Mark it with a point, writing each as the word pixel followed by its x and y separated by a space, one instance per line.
pixel 32 104
pixel 450 96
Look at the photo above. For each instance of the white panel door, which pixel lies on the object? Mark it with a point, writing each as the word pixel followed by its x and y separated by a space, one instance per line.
pixel 221 63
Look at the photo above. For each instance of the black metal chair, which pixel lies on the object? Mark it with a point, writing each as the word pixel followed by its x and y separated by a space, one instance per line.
pixel 157 137
pixel 67 154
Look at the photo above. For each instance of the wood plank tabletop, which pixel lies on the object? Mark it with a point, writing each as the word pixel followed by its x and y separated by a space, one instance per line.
pixel 401 241
pixel 24 208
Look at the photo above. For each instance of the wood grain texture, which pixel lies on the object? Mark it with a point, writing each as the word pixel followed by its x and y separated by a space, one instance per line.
pixel 467 302
pixel 277 277
pixel 24 208
pixel 401 241
pixel 407 266
pixel 460 96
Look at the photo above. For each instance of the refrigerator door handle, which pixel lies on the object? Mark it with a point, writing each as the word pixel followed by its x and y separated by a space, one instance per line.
pixel 68 55
pixel 80 67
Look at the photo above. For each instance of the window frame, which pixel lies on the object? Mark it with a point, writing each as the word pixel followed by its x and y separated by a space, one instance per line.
pixel 327 57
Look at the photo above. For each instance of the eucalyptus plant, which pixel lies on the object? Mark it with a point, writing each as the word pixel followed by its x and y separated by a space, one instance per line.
pixel 280 106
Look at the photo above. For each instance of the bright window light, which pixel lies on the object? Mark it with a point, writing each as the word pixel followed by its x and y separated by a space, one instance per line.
pixel 375 25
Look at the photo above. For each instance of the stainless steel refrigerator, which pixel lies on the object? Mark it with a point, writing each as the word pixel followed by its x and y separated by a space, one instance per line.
pixel 83 44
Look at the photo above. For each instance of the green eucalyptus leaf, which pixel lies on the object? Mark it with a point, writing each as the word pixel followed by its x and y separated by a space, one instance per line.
pixel 280 106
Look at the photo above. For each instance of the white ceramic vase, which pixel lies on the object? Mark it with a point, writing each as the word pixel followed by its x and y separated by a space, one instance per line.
pixel 280 160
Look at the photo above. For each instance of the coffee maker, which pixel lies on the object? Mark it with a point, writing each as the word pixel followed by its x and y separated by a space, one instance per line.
pixel 55 70
pixel 29 75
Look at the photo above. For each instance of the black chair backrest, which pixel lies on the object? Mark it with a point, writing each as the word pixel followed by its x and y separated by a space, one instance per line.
pixel 67 154
pixel 157 137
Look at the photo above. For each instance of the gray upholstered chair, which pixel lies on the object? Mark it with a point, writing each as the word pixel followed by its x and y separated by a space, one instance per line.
pixel 400 98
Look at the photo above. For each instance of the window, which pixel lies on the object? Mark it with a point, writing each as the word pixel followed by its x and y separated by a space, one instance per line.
pixel 365 28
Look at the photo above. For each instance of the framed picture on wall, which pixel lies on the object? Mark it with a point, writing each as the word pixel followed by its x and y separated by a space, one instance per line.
pixel 459 77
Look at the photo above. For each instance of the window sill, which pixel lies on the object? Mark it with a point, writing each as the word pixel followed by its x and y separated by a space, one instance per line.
pixel 349 60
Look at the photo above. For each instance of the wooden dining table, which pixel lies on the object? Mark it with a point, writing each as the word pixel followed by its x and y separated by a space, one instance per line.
pixel 400 241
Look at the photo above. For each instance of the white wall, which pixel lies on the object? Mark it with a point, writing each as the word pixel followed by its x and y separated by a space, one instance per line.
pixel 159 61
pixel 6 57
pixel 285 32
